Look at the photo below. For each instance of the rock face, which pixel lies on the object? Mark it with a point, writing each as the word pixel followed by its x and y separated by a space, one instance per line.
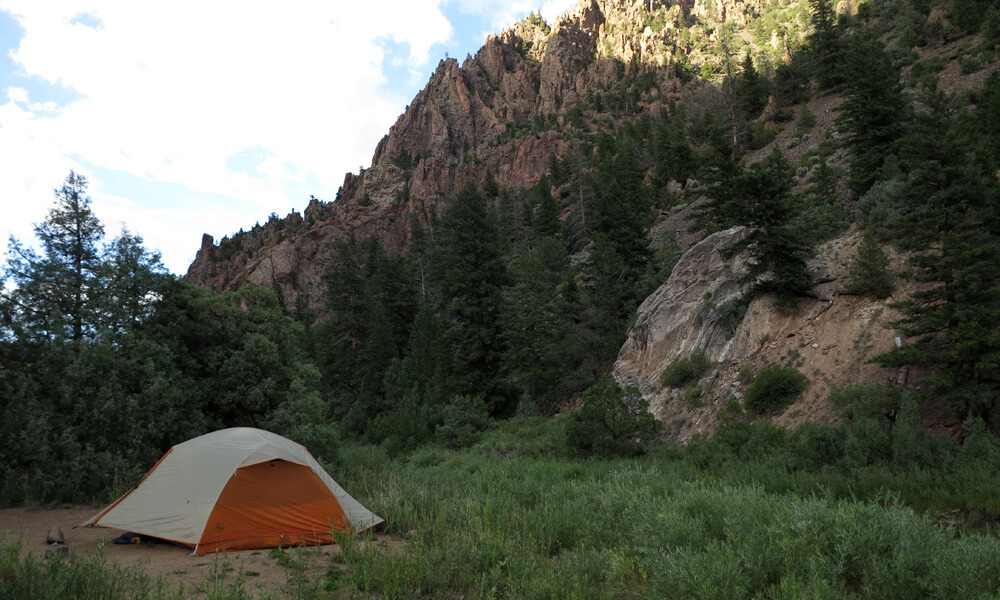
pixel 678 318
pixel 532 92
pixel 829 338
pixel 503 112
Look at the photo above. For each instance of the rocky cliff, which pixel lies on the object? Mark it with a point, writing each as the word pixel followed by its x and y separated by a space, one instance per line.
pixel 538 91
pixel 506 111
pixel 830 337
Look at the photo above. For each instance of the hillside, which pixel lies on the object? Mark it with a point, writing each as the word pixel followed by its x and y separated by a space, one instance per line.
pixel 530 93
pixel 685 84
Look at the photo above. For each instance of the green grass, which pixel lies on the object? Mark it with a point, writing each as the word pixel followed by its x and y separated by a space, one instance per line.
pixel 72 575
pixel 755 512
pixel 699 522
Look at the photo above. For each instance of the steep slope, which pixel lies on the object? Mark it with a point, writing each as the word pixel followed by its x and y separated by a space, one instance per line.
pixel 536 98
pixel 830 338
pixel 525 95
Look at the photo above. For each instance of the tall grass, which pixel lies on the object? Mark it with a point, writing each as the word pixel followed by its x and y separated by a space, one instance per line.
pixel 491 526
pixel 70 575
pixel 755 512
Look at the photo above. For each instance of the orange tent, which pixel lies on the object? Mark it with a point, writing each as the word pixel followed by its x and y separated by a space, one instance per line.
pixel 237 489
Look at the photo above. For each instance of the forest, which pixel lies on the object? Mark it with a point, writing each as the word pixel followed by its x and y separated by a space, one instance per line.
pixel 443 375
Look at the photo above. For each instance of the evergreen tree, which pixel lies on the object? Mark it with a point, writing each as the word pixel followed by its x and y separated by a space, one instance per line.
pixel 612 421
pixel 750 90
pixel 873 112
pixel 985 122
pixel 761 198
pixel 389 309
pixel 537 320
pixel 54 295
pixel 826 49
pixel 131 277
pixel 340 337
pixel 952 225
pixel 619 262
pixel 869 273
pixel 673 155
pixel 468 270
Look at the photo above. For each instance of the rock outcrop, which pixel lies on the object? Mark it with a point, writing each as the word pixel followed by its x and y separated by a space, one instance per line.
pixel 830 337
pixel 503 112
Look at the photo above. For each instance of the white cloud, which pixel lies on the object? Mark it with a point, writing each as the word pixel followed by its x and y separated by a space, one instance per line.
pixel 170 91
pixel 503 14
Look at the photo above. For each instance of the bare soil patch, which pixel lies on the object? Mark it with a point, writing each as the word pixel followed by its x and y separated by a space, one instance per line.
pixel 175 564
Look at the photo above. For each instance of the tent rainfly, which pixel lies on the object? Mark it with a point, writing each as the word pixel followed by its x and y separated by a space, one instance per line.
pixel 237 489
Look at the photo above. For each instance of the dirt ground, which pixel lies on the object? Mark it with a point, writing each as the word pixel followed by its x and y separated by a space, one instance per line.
pixel 174 563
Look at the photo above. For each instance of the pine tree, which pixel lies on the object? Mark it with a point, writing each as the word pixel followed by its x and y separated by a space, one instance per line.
pixel 340 337
pixel 952 223
pixel 750 90
pixel 873 112
pixel 537 320
pixel 869 272
pixel 132 278
pixel 468 270
pixel 761 198
pixel 826 49
pixel 55 294
pixel 673 155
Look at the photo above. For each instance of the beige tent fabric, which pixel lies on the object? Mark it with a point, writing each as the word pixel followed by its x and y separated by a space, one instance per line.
pixel 177 496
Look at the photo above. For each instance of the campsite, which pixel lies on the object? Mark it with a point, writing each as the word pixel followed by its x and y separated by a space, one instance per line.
pixel 756 511
pixel 635 299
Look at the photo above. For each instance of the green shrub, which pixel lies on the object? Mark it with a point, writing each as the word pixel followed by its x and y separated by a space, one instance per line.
pixel 762 135
pixel 881 208
pixel 866 401
pixel 685 370
pixel 774 388
pixel 909 38
pixel 612 421
pixel 807 120
pixel 926 67
pixel 815 445
pixel 973 62
pixel 464 418
pixel 731 412
pixel 692 395
pixel 821 219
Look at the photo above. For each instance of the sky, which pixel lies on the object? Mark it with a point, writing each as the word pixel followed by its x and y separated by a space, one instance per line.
pixel 194 116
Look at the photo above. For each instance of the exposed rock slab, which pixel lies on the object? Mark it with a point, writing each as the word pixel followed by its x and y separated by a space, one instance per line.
pixel 830 337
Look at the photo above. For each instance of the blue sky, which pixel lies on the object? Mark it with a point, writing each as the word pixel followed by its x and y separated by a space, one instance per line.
pixel 192 117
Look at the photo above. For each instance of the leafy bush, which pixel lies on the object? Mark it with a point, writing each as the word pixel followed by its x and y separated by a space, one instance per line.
pixel 464 418
pixel 932 65
pixel 973 62
pixel 821 219
pixel 775 388
pixel 806 120
pixel 866 401
pixel 762 135
pixel 612 421
pixel 692 395
pixel 685 370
